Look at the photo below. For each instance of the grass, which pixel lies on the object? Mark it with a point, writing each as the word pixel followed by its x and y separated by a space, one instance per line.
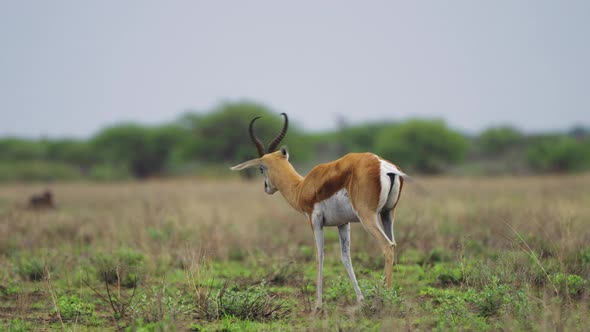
pixel 473 254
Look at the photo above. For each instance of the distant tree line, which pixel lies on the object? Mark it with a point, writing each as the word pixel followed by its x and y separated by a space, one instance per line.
pixel 202 142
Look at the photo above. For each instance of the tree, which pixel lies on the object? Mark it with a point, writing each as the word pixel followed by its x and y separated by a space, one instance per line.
pixel 498 140
pixel 427 146
pixel 328 146
pixel 143 150
pixel 71 151
pixel 361 138
pixel 222 135
pixel 17 149
pixel 559 154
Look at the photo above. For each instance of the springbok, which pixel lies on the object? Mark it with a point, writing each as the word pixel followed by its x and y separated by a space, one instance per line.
pixel 357 187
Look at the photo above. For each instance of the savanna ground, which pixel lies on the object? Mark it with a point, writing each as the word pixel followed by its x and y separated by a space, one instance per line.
pixel 473 254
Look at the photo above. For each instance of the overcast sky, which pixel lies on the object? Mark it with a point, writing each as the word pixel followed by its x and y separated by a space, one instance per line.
pixel 69 68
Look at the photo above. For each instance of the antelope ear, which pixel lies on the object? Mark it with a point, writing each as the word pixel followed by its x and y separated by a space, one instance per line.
pixel 285 152
pixel 247 164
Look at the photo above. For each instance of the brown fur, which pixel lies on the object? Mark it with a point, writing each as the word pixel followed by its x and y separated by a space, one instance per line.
pixel 359 173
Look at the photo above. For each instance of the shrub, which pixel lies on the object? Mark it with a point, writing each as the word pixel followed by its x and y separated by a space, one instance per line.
pixel 107 172
pixel 446 275
pixel 160 235
pixel 427 146
pixel 12 148
pixel 18 325
pixel 73 308
pixel 368 262
pixel 356 138
pixel 285 273
pixel 141 326
pixel 122 267
pixel 236 253
pixel 499 139
pixel 222 135
pixel 436 255
pixel 144 150
pixel 161 303
pixel 38 170
pixel 451 310
pixel 307 253
pixel 491 299
pixel 570 284
pixel 254 303
pixel 31 268
pixel 485 303
pixel 559 154
pixel 379 299
pixel 340 289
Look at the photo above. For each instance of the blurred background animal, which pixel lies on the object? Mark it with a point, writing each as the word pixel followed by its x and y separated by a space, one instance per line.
pixel 43 200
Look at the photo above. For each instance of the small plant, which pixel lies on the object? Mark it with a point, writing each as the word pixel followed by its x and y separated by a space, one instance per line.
pixel 451 310
pixel 158 235
pixel 584 255
pixel 195 327
pixel 18 325
pixel 254 303
pixel 411 256
pixel 436 255
pixel 446 276
pixel 236 254
pixel 119 300
pixel 369 262
pixel 31 268
pixel 285 273
pixel 12 289
pixel 570 284
pixel 306 253
pixel 379 299
pixel 74 309
pixel 492 299
pixel 340 290
pixel 161 303
pixel 122 267
pixel 142 326
pixel 487 302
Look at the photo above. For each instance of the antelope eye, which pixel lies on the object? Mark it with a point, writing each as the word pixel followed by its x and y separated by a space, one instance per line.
pixel 261 170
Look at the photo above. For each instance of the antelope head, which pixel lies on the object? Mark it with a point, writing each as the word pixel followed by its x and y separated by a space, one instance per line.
pixel 272 162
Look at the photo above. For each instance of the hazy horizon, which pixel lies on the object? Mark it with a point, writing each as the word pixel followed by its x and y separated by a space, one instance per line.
pixel 70 69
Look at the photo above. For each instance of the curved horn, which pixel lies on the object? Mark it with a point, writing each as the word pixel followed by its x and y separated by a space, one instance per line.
pixel 273 145
pixel 255 139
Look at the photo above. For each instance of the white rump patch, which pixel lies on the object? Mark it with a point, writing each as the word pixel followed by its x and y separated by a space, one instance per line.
pixel 389 192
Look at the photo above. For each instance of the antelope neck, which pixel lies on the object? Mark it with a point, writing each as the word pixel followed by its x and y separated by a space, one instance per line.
pixel 288 183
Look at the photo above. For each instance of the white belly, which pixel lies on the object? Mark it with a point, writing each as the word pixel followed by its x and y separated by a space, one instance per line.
pixel 336 210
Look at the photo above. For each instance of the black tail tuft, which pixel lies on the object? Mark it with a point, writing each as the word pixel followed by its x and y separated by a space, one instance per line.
pixel 392 178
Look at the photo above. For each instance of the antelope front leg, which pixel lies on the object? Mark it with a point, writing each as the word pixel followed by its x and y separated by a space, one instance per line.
pixel 318 232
